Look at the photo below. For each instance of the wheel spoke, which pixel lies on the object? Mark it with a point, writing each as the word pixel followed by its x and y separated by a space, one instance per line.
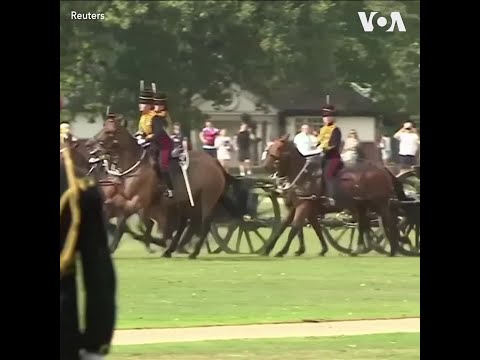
pixel 256 232
pixel 249 242
pixel 239 237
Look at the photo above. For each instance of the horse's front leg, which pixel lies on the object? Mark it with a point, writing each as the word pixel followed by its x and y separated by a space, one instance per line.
pixel 119 231
pixel 312 218
pixel 273 241
pixel 301 212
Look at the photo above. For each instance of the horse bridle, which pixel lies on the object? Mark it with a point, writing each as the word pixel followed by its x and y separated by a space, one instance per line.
pixel 118 173
pixel 279 176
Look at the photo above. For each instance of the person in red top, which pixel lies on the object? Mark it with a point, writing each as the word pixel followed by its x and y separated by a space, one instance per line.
pixel 207 136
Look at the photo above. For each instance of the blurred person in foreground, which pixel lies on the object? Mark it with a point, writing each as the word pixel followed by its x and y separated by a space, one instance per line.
pixel 224 146
pixel 82 232
pixel 409 143
pixel 207 137
pixel 244 138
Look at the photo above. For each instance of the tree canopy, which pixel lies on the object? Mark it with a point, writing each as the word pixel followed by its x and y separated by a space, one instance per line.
pixel 190 47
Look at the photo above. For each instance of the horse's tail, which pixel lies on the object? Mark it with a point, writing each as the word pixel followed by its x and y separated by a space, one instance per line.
pixel 397 186
pixel 235 196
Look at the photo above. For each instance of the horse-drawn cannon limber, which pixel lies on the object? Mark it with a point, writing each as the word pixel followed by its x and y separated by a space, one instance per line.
pixel 340 230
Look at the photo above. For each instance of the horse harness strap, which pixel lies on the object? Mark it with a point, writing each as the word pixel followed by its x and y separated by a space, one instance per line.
pixel 130 169
pixel 299 175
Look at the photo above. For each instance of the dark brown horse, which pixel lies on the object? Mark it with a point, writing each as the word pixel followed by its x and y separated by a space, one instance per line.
pixel 139 188
pixel 360 189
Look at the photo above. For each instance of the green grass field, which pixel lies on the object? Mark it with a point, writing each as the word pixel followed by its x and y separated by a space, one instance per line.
pixel 227 289
pixel 364 347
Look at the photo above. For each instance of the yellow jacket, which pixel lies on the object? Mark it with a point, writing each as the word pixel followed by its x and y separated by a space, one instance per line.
pixel 145 124
pixel 329 137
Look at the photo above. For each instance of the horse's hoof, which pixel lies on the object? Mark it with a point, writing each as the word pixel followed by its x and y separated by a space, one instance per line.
pixel 353 254
pixel 299 252
pixel 149 249
pixel 322 253
pixel 192 256
pixel 280 255
pixel 264 253
pixel 167 255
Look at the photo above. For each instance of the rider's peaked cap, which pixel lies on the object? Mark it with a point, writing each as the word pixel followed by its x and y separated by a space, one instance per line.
pixel 328 110
pixel 146 96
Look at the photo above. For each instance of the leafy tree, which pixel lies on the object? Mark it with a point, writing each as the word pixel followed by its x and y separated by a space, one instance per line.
pixel 190 47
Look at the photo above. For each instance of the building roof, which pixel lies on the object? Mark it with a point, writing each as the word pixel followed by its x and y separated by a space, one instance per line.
pixel 295 99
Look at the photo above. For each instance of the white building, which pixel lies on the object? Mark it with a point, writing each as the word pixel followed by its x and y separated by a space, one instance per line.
pixel 86 125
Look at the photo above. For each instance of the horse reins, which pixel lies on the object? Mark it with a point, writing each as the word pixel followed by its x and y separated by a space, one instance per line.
pixel 130 169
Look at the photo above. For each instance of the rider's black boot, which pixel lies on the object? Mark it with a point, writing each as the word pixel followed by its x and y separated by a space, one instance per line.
pixel 169 183
pixel 329 192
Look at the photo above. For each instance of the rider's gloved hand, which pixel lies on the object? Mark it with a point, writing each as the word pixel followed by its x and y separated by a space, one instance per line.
pixel 140 141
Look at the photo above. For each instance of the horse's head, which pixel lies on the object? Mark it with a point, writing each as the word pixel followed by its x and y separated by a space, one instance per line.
pixel 113 136
pixel 276 154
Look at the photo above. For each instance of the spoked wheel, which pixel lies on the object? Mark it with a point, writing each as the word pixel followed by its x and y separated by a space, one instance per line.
pixel 409 231
pixel 343 236
pixel 410 181
pixel 251 234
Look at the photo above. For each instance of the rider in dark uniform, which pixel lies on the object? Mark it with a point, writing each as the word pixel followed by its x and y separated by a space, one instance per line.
pixel 330 139
pixel 82 231
pixel 162 144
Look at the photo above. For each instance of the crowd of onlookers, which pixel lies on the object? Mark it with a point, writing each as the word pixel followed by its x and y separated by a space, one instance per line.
pixel 407 137
pixel 225 147
pixel 219 144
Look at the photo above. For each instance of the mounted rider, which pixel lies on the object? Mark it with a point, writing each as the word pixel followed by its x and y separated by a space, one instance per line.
pixel 152 129
pixel 329 141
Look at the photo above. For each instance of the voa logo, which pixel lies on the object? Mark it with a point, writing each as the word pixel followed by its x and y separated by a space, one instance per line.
pixel 395 18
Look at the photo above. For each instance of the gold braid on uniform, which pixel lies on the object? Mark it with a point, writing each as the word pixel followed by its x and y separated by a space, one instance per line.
pixel 72 197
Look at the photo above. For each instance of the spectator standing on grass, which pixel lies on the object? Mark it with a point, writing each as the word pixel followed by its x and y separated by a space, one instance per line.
pixel 244 138
pixel 385 146
pixel 207 137
pixel 409 143
pixel 350 148
pixel 224 147
pixel 305 141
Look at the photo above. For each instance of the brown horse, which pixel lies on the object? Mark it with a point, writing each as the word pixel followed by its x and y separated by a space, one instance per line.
pixel 140 191
pixel 361 188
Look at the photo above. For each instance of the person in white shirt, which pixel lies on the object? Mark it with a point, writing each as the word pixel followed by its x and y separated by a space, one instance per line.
pixel 409 144
pixel 224 146
pixel 385 146
pixel 306 143
pixel 350 148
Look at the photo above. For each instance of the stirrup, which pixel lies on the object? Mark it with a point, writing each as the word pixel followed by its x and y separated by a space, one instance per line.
pixel 169 193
